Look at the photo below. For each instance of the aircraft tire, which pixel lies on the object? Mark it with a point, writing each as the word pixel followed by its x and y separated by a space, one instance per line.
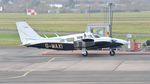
pixel 112 53
pixel 85 54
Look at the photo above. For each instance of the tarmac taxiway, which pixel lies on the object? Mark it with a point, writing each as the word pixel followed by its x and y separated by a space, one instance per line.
pixel 19 65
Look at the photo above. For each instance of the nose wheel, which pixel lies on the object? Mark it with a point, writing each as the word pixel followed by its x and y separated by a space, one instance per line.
pixel 84 52
pixel 112 52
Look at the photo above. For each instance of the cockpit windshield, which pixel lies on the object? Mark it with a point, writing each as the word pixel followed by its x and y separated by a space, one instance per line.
pixel 98 31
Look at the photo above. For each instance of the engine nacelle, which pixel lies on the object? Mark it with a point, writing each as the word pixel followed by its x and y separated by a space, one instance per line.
pixel 84 43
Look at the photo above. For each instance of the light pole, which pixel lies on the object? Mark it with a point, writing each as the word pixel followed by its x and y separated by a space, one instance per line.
pixel 110 17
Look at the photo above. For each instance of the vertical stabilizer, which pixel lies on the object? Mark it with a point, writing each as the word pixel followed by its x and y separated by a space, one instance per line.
pixel 26 33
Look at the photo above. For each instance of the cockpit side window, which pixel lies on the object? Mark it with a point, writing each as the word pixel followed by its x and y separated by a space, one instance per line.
pixel 90 36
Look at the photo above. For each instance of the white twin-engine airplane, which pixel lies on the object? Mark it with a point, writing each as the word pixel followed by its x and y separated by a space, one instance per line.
pixel 84 41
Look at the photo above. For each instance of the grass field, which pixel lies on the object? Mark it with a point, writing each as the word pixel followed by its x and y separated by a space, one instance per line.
pixel 137 22
pixel 9 39
pixel 129 22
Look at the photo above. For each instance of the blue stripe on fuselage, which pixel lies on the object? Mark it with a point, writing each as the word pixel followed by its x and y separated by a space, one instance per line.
pixel 67 46
pixel 55 46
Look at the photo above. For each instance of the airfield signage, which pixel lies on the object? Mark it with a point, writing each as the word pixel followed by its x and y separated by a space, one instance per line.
pixel 129 36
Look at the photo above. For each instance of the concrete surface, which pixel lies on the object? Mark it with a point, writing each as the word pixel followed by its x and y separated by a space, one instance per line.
pixel 19 65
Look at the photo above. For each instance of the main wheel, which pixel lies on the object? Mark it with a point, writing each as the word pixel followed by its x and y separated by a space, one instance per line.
pixel 112 53
pixel 85 54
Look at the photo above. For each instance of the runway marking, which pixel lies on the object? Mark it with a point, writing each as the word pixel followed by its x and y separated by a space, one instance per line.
pixel 77 62
pixel 34 69
pixel 118 66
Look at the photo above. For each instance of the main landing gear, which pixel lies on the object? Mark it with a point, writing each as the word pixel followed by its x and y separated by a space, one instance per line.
pixel 112 52
pixel 84 52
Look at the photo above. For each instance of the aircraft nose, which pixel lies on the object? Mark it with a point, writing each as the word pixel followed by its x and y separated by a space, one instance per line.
pixel 125 42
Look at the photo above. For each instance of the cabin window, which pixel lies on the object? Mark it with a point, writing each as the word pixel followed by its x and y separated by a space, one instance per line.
pixel 80 37
pixel 62 40
pixel 70 39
